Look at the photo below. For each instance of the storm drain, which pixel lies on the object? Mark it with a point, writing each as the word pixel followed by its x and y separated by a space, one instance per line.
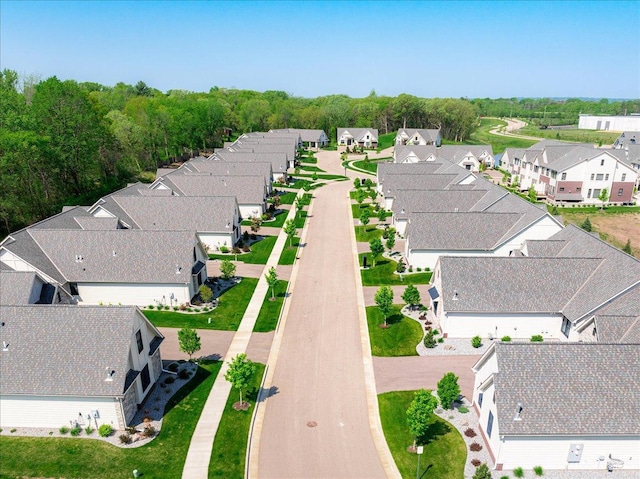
pixel 312 424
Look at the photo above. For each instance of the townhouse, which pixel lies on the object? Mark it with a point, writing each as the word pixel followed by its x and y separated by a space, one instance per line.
pixel 364 137
pixel 415 136
pixel 310 138
pixel 470 157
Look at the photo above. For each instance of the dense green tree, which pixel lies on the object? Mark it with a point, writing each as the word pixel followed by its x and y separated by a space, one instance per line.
pixel 448 390
pixel 376 248
pixel 586 225
pixel 227 269
pixel 240 372
pixel 189 341
pixel 419 413
pixel 411 296
pixel 384 300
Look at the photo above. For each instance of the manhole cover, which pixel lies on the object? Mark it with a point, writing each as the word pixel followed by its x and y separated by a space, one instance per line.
pixel 312 424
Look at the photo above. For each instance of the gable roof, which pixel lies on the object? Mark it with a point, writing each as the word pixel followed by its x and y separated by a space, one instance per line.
pixel 562 387
pixel 385 169
pixel 278 160
pixel 117 256
pixel 177 213
pixel 358 134
pixel 306 135
pixel 512 288
pixel 247 189
pixel 422 152
pixel 395 182
pixel 619 321
pixel 427 134
pixel 409 201
pixel 17 286
pixel 228 168
pixel 47 357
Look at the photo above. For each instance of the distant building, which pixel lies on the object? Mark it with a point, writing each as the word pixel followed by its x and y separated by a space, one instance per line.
pixel 609 123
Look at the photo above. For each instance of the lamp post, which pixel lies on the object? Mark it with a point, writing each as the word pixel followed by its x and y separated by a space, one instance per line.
pixel 419 450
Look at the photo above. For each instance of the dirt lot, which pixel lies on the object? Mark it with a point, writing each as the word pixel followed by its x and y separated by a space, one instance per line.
pixel 614 228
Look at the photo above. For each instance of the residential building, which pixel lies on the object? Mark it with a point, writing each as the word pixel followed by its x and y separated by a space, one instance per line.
pixel 416 136
pixel 364 137
pixel 314 139
pixel 571 173
pixel 280 161
pixel 70 365
pixel 28 287
pixel 469 157
pixel 559 406
pixel 627 138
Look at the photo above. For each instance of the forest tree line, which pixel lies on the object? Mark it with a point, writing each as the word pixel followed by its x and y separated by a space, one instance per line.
pixel 64 142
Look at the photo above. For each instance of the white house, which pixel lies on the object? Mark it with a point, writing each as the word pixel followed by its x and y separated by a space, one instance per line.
pixel 365 137
pixel 469 157
pixel 571 173
pixel 115 266
pixel 215 219
pixel 70 365
pixel 315 139
pixel 562 406
pixel 415 136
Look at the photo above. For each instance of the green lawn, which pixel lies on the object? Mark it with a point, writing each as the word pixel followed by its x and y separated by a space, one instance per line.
pixel 354 193
pixel 309 159
pixel 499 143
pixel 270 310
pixel 304 167
pixel 371 166
pixel 259 253
pixel 288 198
pixel 384 273
pixel 386 140
pixel 80 458
pixel 277 222
pixel 230 445
pixel 357 210
pixel 399 339
pixel 580 136
pixel 297 184
pixel 289 253
pixel 323 177
pixel 226 317
pixel 301 217
pixel 445 452
pixel 364 234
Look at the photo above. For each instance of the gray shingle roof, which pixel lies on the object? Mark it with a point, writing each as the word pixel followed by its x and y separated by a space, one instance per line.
pixel 572 389
pixel 463 230
pixel 305 134
pixel 218 168
pixel 544 248
pixel 514 287
pixel 358 134
pixel 393 183
pixel 49 353
pixel 617 272
pixel 248 190
pixel 97 223
pixel 385 169
pixel 16 286
pixel 422 152
pixel 427 134
pixel 618 329
pixel 177 213
pixel 278 160
pixel 435 201
pixel 140 256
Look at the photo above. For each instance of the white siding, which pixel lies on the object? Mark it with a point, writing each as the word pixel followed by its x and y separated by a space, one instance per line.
pixel 142 294
pixel 247 211
pixel 552 452
pixel 19 264
pixel 214 240
pixel 616 123
pixel 54 412
pixel 516 325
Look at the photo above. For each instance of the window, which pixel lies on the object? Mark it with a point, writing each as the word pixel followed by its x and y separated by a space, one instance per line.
pixel 624 177
pixel 599 177
pixel 468 167
pixel 554 174
pixel 606 177
pixel 561 188
pixel 144 377
pixel 74 289
pixel 566 327
pixel 480 399
pixel 564 176
pixel 620 190
pixel 139 341
pixel 593 177
pixel 536 168
pixel 589 193
pixel 601 162
pixel 490 424
pixel 578 189
pixel 596 192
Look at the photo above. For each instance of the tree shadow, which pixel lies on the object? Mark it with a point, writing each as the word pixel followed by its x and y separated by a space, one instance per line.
pixel 200 376
pixel 394 318
pixel 210 358
pixel 266 393
pixel 434 430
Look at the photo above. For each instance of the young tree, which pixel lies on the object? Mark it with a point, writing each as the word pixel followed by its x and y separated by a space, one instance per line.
pixel 314 177
pixel 365 217
pixel 240 372
pixel 384 301
pixel 411 296
pixel 533 196
pixel 373 195
pixel 375 245
pixel 604 197
pixel 290 230
pixel 382 214
pixel 276 201
pixel 227 269
pixel 391 242
pixel 627 248
pixel 272 280
pixel 368 183
pixel 298 204
pixel 357 183
pixel 205 293
pixel 360 196
pixel 189 341
pixel 586 225
pixel 256 222
pixel 419 413
pixel 448 390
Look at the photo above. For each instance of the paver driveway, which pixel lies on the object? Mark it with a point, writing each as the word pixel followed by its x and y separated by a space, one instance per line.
pixel 319 372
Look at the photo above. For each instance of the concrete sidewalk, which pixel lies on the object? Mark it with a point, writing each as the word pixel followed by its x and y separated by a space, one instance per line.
pixel 196 465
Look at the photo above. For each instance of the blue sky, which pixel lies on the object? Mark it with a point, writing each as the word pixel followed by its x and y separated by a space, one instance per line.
pixel 428 49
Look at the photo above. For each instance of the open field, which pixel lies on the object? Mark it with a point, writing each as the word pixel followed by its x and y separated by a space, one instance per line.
pixel 573 134
pixel 615 225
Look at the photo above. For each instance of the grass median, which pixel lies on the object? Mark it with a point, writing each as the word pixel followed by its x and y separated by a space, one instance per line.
pixel 399 338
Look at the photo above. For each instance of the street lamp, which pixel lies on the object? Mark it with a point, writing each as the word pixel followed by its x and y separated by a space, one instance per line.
pixel 420 450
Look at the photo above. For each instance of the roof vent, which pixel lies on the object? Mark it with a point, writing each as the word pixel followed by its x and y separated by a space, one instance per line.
pixel 455 210
pixel 110 373
pixel 178 269
pixel 228 225
pixel 518 411
pixel 79 258
pixel 114 254
pixel 5 346
pixel 455 295
pixel 402 211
